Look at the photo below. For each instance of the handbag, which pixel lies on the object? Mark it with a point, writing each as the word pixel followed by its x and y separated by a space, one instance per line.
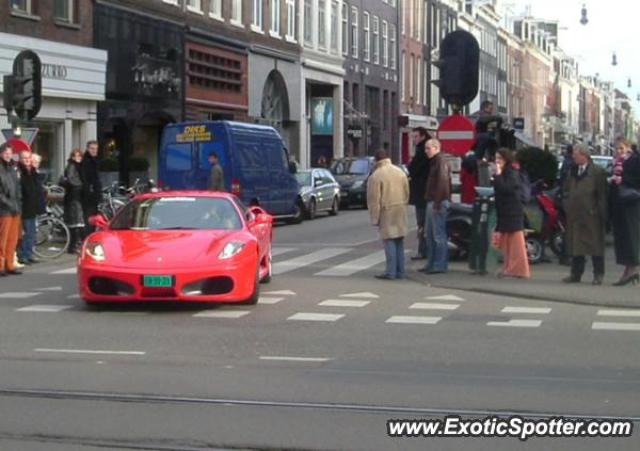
pixel 628 194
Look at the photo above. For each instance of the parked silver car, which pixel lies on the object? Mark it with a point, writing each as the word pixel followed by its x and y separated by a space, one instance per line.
pixel 319 191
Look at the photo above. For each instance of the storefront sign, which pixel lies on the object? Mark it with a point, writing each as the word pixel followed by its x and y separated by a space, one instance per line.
pixel 322 116
pixel 54 71
pixel 354 132
pixel 194 133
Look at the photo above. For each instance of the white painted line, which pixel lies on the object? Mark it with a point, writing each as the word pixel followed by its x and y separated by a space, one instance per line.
pixel 306 260
pixel 351 267
pixel 326 317
pixel 433 306
pixel 294 359
pixel 532 310
pixel 88 351
pixel 281 250
pixel 616 326
pixel 343 303
pixel 18 295
pixel 230 314
pixel 73 270
pixel 44 308
pixel 280 293
pixel 362 295
pixel 624 313
pixel 73 296
pixel 453 135
pixel 414 320
pixel 516 323
pixel 50 289
pixel 446 297
pixel 269 300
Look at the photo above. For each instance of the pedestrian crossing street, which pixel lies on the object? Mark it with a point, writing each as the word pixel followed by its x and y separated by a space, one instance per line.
pixel 430 311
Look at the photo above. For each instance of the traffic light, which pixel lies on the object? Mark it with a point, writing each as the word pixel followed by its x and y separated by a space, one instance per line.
pixel 23 89
pixel 459 66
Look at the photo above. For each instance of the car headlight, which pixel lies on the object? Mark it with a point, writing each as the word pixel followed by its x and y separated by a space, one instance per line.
pixel 230 249
pixel 95 250
pixel 357 184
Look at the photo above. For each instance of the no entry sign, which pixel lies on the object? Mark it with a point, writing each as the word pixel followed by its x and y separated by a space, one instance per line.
pixel 457 135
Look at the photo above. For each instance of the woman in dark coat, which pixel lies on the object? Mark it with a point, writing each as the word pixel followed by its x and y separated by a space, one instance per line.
pixel 73 185
pixel 510 226
pixel 626 212
pixel 31 207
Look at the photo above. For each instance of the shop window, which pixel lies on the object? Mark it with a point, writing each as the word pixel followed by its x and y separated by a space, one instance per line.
pixel 64 10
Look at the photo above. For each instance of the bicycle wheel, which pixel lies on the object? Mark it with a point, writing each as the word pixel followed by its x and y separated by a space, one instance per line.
pixel 52 238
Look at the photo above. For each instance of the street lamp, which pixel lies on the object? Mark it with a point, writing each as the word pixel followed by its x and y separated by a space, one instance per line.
pixel 614 59
pixel 584 20
pixel 629 83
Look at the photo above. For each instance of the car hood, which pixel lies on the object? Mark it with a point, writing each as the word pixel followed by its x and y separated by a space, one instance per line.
pixel 157 249
pixel 347 180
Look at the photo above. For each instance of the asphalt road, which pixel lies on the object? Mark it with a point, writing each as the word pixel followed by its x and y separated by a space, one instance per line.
pixel 322 362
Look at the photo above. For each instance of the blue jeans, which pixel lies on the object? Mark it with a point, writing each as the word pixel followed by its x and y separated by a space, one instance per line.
pixel 394 254
pixel 422 243
pixel 436 238
pixel 25 251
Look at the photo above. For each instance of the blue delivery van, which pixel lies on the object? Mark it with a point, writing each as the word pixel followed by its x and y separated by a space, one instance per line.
pixel 253 157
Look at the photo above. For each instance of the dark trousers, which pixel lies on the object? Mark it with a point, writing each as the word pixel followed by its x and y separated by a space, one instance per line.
pixel 578 264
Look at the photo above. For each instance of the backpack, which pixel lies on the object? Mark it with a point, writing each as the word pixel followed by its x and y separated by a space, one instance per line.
pixel 525 188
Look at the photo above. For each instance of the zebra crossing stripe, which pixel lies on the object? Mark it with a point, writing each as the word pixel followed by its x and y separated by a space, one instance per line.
pixel 433 306
pixel 44 308
pixel 351 267
pixel 414 320
pixel 516 323
pixel 531 310
pixel 269 300
pixel 616 326
pixel 281 250
pixel 73 270
pixel 621 313
pixel 18 295
pixel 322 317
pixel 343 303
pixel 229 314
pixel 307 259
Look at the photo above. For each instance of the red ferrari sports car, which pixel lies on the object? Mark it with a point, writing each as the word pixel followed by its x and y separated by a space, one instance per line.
pixel 178 246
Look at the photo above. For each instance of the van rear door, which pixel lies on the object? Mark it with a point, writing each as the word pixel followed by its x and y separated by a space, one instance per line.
pixel 250 169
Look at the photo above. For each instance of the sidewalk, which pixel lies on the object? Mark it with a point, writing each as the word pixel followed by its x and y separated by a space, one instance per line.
pixel 545 284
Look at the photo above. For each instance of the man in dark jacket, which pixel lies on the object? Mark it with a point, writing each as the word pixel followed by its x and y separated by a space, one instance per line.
pixel 92 188
pixel 10 207
pixel 418 173
pixel 31 207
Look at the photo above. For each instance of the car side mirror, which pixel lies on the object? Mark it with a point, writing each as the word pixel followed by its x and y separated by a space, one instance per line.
pixel 317 182
pixel 99 221
pixel 264 218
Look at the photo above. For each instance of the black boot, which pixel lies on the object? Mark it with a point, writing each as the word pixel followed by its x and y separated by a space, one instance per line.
pixel 74 233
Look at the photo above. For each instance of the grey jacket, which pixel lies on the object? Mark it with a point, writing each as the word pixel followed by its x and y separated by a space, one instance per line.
pixel 217 178
pixel 10 192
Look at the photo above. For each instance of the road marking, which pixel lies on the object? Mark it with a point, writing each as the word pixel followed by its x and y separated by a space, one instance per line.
pixel 281 250
pixel 18 295
pixel 294 359
pixel 414 320
pixel 616 326
pixel 280 293
pixel 306 260
pixel 89 351
pixel 532 310
pixel 50 289
pixel 326 317
pixel 363 295
pixel 433 306
pixel 351 267
pixel 73 270
pixel 73 296
pixel 231 314
pixel 446 297
pixel 516 323
pixel 269 300
pixel 343 303
pixel 627 313
pixel 44 308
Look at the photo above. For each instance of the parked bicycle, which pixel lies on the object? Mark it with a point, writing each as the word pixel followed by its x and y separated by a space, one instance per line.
pixel 52 236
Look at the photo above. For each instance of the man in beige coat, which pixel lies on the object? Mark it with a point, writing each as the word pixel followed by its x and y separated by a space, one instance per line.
pixel 387 199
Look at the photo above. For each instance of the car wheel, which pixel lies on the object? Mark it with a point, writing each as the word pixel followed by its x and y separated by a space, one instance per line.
pixel 253 299
pixel 298 213
pixel 313 209
pixel 535 249
pixel 267 278
pixel 335 207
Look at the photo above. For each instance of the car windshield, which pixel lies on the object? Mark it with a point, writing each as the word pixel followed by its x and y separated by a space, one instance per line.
pixel 304 178
pixel 178 213
pixel 351 167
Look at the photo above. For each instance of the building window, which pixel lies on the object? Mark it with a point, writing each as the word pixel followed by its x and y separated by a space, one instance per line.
pixel 366 24
pixel 403 84
pixel 194 5
pixel 23 6
pixel 418 79
pixel 257 15
pixel 354 31
pixel 376 40
pixel 308 21
pixel 291 19
pixel 345 28
pixel 236 12
pixel 172 2
pixel 412 68
pixel 322 24
pixel 211 71
pixel 334 26
pixel 385 43
pixel 215 9
pixel 63 10
pixel 394 50
pixel 275 17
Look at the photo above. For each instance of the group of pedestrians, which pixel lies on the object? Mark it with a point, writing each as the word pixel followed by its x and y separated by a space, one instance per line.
pixel 589 200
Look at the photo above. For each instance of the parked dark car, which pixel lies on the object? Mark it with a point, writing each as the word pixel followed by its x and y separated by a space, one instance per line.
pixel 319 192
pixel 352 175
